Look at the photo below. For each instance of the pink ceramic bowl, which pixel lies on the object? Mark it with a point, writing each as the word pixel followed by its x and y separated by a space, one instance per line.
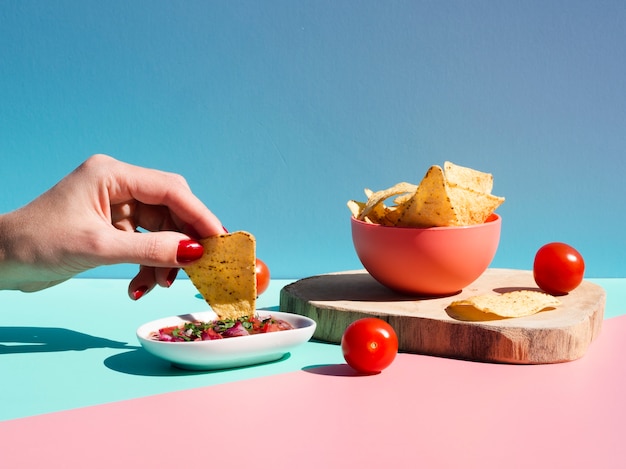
pixel 426 261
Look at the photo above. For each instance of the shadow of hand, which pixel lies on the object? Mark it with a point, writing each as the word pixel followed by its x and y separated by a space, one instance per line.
pixel 21 339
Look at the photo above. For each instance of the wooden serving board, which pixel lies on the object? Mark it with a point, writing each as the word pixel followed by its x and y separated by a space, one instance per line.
pixel 427 326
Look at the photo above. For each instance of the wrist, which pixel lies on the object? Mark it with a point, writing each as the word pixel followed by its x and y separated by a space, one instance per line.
pixel 11 269
pixel 5 274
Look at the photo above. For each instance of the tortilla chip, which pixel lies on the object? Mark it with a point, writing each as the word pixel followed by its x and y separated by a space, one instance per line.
pixel 431 205
pixel 380 196
pixel 392 215
pixel 225 274
pixel 452 196
pixel 514 304
pixel 471 207
pixel 355 207
pixel 468 177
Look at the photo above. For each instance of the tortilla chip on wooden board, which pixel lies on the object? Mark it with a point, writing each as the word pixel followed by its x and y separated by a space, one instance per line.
pixel 514 304
pixel 225 274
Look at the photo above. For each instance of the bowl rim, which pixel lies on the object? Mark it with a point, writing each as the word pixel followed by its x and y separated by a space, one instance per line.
pixel 493 218
pixel 142 332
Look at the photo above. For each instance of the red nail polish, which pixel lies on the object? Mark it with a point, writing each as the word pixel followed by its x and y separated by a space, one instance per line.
pixel 139 292
pixel 171 277
pixel 189 251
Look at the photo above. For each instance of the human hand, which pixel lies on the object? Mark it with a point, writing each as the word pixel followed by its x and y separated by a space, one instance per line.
pixel 92 217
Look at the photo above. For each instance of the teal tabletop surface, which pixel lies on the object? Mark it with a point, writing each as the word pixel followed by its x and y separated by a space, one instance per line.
pixel 74 345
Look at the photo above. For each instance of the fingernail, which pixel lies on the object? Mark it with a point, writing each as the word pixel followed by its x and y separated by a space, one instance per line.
pixel 224 228
pixel 139 292
pixel 189 251
pixel 171 277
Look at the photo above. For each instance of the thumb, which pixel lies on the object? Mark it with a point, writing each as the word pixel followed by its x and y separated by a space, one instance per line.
pixel 154 249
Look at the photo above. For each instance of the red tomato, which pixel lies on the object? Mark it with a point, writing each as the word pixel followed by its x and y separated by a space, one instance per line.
pixel 558 268
pixel 262 276
pixel 369 345
pixel 276 325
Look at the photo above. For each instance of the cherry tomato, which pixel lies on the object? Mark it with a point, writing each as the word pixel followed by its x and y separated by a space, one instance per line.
pixel 558 268
pixel 369 345
pixel 262 276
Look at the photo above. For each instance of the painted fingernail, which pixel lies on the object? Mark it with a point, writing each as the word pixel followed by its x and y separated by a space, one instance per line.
pixel 224 228
pixel 139 292
pixel 189 251
pixel 171 277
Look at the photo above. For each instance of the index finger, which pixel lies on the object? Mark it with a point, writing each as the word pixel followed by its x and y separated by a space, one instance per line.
pixel 155 187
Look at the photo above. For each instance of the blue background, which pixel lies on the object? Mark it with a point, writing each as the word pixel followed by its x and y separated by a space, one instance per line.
pixel 278 112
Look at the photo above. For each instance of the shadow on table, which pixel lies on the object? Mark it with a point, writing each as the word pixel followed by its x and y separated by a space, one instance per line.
pixel 337 369
pixel 141 363
pixel 357 286
pixel 22 339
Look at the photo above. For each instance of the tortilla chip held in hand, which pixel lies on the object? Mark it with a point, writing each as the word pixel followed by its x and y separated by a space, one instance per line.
pixel 225 274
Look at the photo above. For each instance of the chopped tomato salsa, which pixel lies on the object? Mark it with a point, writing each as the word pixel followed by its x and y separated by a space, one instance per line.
pixel 212 330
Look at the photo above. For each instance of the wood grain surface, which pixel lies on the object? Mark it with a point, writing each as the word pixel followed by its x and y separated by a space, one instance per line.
pixel 428 326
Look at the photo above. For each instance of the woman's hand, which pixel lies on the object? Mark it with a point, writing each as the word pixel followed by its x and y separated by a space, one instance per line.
pixel 92 217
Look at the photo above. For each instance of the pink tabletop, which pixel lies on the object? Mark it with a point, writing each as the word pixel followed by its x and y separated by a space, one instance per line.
pixel 421 412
